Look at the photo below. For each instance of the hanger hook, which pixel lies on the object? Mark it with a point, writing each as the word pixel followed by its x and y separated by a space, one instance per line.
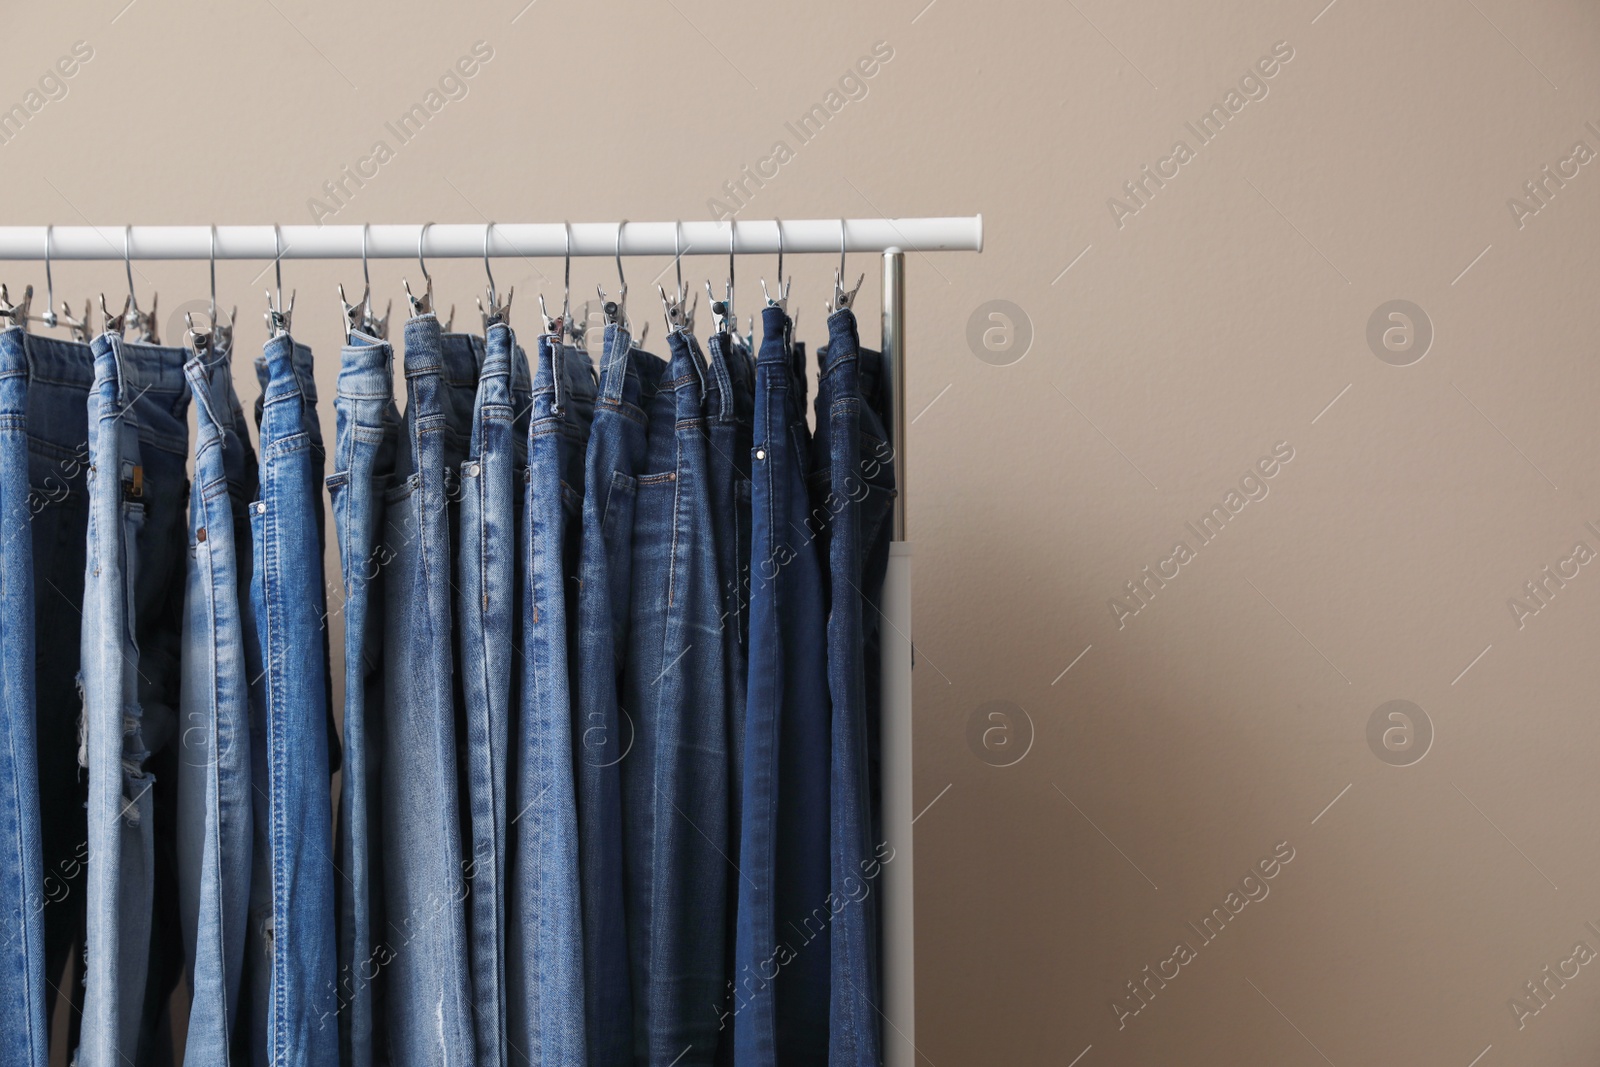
pixel 487 230
pixel 49 316
pixel 566 277
pixel 614 311
pixel 782 299
pixel 843 298
pixel 213 259
pixel 733 241
pixel 677 254
pixel 127 265
pixel 422 235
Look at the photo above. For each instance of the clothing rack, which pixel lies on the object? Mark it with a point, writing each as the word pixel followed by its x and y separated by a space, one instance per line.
pixel 892 238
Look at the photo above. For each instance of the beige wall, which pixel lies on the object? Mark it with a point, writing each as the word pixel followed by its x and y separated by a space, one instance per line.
pixel 1226 315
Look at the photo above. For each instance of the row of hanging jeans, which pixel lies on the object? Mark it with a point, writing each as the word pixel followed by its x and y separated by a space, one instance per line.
pixel 606 791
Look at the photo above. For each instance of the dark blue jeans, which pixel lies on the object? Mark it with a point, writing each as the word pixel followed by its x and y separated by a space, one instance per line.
pixel 544 954
pixel 366 444
pixel 852 494
pixel 780 983
pixel 24 1034
pixel 604 736
pixel 60 374
pixel 675 781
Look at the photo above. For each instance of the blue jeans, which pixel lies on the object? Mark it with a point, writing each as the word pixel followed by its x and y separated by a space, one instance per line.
pixel 366 442
pixel 616 454
pixel 780 983
pixel 425 888
pixel 852 494
pixel 485 602
pixel 286 598
pixel 60 376
pixel 214 772
pixel 24 1035
pixel 675 780
pixel 544 952
pixel 131 633
pixel 729 409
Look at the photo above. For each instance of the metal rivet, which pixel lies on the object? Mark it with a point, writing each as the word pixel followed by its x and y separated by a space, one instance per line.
pixel 200 534
pixel 261 507
pixel 761 453
pixel 472 469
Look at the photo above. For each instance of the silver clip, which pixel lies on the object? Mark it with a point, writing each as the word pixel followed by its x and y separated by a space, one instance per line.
pixel 352 313
pixel 118 323
pixel 578 327
pixel 680 314
pixel 555 326
pixel 491 310
pixel 197 340
pixel 17 313
pixel 722 312
pixel 79 328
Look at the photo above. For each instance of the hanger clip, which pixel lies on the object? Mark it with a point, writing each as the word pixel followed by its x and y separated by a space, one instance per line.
pixel 114 323
pixel 352 313
pixel 279 318
pixel 842 300
pixel 145 321
pixel 17 314
pixel 781 301
pixel 679 312
pixel 722 313
pixel 199 341
pixel 492 311
pixel 578 327
pixel 420 305
pixel 553 326
pixel 372 325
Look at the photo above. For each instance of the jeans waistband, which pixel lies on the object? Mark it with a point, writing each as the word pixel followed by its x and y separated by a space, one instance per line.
pixel 61 362
pixel 366 369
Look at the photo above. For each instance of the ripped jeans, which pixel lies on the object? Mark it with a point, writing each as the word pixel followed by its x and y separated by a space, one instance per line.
pixel 132 629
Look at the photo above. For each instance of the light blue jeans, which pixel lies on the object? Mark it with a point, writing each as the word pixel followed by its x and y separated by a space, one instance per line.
pixel 287 597
pixel 24 1035
pixel 214 777
pixel 137 446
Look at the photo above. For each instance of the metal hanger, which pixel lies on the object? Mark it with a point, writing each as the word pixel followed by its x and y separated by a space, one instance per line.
pixel 616 311
pixel 494 311
pixel 221 332
pixel 420 304
pixel 131 316
pixel 680 315
pixel 781 301
pixel 79 328
pixel 359 316
pixel 842 300
pixel 278 317
pixel 558 326
pixel 722 313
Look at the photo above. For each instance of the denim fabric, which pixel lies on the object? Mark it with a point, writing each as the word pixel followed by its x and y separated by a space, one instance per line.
pixel 616 454
pixel 131 635
pixel 485 602
pixel 60 376
pixel 214 775
pixel 675 780
pixel 366 442
pixel 780 984
pixel 729 408
pixel 24 1034
pixel 852 494
pixel 286 599
pixel 428 985
pixel 544 952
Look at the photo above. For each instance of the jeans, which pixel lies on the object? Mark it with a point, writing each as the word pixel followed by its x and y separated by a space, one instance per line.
pixel 780 983
pixel 60 376
pixel 132 610
pixel 852 494
pixel 729 409
pixel 544 953
pixel 24 1036
pixel 425 888
pixel 675 780
pixel 286 598
pixel 366 443
pixel 214 771
pixel 485 602
pixel 616 454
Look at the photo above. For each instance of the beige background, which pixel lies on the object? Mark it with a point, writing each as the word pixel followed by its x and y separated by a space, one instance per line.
pixel 1226 316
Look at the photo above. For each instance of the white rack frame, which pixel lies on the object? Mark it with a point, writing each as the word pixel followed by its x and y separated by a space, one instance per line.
pixel 890 237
